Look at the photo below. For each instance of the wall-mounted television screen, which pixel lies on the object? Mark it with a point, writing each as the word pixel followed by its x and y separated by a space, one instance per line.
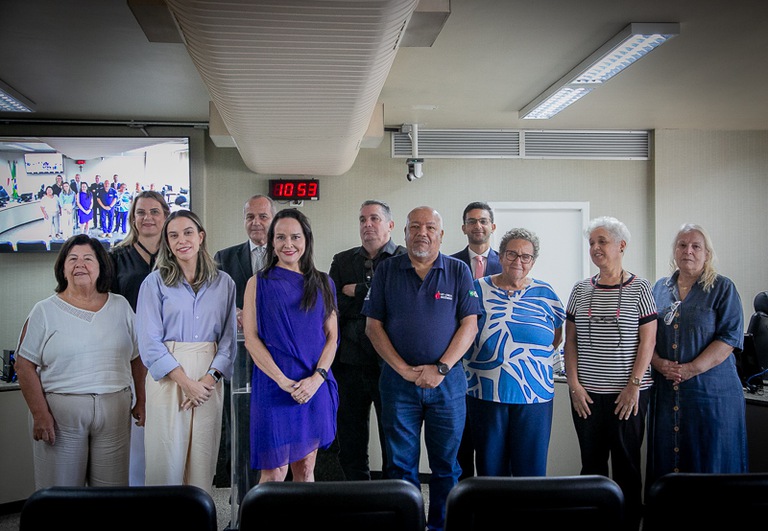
pixel 42 163
pixel 36 212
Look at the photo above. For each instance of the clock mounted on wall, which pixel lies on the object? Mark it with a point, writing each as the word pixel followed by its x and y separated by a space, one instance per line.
pixel 294 189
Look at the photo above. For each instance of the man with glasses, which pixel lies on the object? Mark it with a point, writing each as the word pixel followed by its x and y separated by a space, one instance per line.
pixel 357 365
pixel 478 227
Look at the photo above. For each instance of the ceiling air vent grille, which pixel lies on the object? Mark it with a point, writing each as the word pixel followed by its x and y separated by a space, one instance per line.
pixel 506 143
pixel 627 145
pixel 459 143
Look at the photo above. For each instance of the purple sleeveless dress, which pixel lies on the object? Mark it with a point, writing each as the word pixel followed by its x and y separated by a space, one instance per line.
pixel 282 430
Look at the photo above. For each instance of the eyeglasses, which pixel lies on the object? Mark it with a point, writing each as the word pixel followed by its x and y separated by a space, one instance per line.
pixel 481 221
pixel 672 313
pixel 609 319
pixel 512 256
pixel 368 264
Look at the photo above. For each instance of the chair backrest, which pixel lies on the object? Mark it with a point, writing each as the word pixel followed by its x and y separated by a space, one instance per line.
pixel 6 247
pixel 588 502
pixel 150 508
pixel 758 328
pixel 31 246
pixel 56 244
pixel 376 505
pixel 696 501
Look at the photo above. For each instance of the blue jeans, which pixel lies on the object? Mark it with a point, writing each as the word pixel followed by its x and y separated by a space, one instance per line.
pixel 442 411
pixel 107 219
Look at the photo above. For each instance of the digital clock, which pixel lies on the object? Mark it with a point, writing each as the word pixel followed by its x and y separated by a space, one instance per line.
pixel 294 189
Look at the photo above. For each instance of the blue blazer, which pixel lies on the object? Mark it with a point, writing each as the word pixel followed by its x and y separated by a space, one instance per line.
pixel 492 267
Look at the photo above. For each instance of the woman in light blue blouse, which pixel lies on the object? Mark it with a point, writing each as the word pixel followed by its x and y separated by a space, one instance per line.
pixel 187 329
pixel 509 368
pixel 697 415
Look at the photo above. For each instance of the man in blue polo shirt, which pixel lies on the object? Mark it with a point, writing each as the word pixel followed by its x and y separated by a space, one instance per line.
pixel 422 317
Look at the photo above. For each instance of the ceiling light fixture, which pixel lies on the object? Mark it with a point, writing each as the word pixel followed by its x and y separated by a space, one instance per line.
pixel 629 45
pixel 13 101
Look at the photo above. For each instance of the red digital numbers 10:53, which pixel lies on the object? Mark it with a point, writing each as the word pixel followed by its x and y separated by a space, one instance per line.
pixel 294 189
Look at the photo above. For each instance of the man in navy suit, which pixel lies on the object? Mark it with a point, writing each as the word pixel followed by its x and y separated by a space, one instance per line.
pixel 241 262
pixel 478 227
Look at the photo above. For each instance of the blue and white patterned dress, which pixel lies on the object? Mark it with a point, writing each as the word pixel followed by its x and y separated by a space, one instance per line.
pixel 511 359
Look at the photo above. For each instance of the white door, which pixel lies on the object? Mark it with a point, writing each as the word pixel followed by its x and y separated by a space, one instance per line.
pixel 563 257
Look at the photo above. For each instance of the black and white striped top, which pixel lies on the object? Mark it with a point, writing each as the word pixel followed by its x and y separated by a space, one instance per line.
pixel 608 335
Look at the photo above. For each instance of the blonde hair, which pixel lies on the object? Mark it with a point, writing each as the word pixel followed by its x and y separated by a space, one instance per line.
pixel 169 268
pixel 709 276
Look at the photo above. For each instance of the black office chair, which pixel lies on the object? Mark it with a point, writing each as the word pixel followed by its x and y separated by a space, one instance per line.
pixel 31 246
pixel 697 501
pixel 758 329
pixel 577 502
pixel 56 244
pixel 149 508
pixel 376 505
pixel 6 247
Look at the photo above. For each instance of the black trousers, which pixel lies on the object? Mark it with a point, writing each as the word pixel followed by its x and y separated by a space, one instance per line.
pixel 602 436
pixel 358 391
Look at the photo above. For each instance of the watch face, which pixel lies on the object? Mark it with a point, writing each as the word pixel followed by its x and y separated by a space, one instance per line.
pixel 442 368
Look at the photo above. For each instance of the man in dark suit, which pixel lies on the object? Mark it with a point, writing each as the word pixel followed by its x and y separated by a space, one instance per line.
pixel 357 365
pixel 478 227
pixel 96 188
pixel 241 262
pixel 74 185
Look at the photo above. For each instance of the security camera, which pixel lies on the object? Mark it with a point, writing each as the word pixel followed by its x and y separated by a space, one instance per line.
pixel 415 169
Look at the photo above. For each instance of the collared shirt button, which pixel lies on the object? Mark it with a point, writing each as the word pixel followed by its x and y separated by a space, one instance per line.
pixel 676 469
pixel 675 408
pixel 676 428
pixel 675 387
pixel 674 346
pixel 677 450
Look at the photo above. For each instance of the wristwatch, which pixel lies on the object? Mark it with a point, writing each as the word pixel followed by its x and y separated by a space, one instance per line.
pixel 322 372
pixel 635 381
pixel 442 368
pixel 216 375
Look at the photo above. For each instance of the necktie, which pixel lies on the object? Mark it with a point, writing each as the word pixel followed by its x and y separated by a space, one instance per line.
pixel 479 267
pixel 258 258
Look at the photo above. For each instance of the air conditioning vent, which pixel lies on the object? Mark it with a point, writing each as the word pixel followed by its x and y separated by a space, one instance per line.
pixel 630 145
pixel 460 143
pixel 506 143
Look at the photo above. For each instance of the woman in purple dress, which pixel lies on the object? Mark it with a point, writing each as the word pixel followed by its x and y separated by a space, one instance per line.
pixel 291 334
pixel 84 207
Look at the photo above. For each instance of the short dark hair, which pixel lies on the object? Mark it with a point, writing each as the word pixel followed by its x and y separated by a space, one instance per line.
pixel 482 205
pixel 384 207
pixel 104 282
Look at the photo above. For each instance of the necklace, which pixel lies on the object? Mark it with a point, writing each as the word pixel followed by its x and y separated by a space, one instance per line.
pixel 152 256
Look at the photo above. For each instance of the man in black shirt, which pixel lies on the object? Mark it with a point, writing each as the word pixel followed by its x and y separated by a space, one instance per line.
pixel 357 365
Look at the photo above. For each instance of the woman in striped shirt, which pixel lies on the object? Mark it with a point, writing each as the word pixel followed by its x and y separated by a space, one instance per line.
pixel 610 333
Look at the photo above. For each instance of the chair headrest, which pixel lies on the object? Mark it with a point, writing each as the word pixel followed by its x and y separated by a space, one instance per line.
pixel 761 302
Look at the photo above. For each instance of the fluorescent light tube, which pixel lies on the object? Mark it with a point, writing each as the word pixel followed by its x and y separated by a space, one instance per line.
pixel 623 50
